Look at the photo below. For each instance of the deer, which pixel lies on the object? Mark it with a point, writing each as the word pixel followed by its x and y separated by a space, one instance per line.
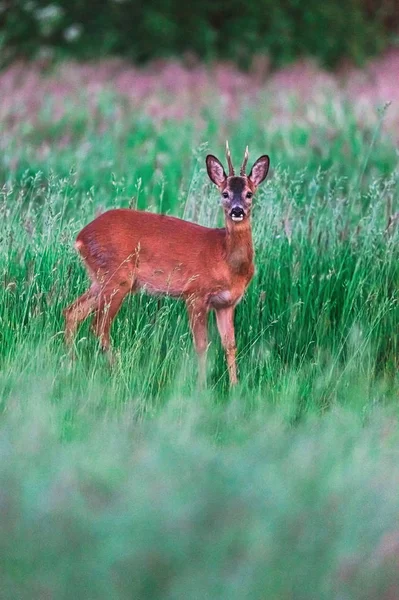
pixel 126 250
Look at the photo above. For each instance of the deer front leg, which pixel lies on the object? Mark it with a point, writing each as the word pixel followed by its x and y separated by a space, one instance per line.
pixel 198 318
pixel 225 324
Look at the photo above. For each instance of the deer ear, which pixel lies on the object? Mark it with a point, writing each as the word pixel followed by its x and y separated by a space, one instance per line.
pixel 215 170
pixel 259 170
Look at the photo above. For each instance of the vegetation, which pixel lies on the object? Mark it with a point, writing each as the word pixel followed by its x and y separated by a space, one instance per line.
pixel 236 30
pixel 128 482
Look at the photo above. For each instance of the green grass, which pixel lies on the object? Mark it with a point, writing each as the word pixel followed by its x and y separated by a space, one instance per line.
pixel 128 482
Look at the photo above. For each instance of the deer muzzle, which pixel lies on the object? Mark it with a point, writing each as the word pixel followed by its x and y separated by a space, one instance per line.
pixel 237 213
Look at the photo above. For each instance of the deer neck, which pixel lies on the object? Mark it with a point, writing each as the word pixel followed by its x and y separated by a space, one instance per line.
pixel 239 248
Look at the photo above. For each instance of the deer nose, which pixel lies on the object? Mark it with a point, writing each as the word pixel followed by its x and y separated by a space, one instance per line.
pixel 237 213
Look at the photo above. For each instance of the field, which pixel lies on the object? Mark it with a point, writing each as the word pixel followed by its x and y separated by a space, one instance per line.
pixel 127 482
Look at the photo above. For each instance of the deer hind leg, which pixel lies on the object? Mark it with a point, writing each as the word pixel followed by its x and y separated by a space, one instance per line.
pixel 108 304
pixel 225 324
pixel 198 318
pixel 76 312
pixel 83 306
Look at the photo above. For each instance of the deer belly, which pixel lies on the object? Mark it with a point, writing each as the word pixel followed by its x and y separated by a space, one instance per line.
pixel 224 298
pixel 159 281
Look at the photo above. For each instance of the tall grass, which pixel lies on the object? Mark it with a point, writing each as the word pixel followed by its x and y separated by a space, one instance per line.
pixel 127 482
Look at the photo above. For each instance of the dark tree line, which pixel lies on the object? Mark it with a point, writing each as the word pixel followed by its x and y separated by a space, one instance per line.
pixel 234 29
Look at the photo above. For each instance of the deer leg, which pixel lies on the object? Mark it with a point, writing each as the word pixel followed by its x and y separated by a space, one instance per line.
pixel 225 324
pixel 198 318
pixel 78 311
pixel 108 305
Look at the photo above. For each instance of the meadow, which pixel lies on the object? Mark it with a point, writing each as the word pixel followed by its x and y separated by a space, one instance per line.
pixel 128 482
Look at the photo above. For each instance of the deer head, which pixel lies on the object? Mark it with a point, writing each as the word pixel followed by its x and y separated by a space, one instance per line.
pixel 237 190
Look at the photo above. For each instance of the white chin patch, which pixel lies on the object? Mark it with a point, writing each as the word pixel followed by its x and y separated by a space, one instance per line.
pixel 236 218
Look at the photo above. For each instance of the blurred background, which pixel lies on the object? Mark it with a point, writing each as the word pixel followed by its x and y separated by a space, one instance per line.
pixel 235 30
pixel 70 67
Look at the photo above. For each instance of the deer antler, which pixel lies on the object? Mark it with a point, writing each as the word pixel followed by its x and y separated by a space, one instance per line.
pixel 244 162
pixel 228 156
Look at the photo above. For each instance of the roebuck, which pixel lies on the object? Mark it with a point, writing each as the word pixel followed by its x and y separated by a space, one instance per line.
pixel 128 250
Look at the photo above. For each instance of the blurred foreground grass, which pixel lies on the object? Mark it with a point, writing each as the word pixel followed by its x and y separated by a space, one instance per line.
pixel 200 501
pixel 128 483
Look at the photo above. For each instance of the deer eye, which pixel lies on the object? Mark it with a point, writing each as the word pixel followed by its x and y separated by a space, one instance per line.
pixel 249 194
pixel 225 195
